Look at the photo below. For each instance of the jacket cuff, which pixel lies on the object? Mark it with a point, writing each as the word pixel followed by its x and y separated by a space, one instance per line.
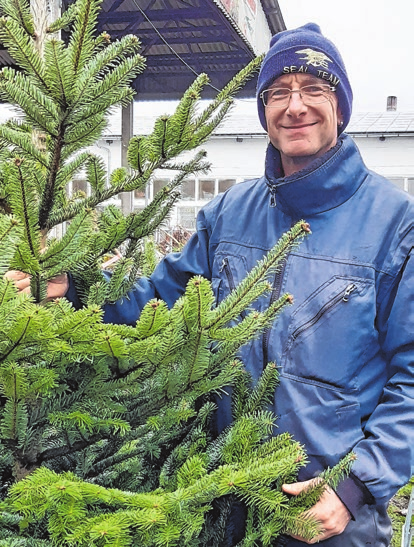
pixel 354 494
pixel 72 294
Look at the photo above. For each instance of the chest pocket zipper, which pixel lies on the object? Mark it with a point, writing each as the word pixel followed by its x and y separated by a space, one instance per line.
pixel 225 266
pixel 343 296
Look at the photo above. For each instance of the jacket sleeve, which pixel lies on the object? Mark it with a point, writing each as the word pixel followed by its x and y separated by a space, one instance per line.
pixel 168 282
pixel 385 457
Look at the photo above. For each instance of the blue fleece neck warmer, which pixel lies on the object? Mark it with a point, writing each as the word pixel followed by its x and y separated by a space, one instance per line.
pixel 305 51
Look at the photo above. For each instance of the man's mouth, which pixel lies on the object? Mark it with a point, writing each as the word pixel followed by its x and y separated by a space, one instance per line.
pixel 299 126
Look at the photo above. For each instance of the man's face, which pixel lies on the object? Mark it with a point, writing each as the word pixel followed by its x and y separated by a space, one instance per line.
pixel 301 132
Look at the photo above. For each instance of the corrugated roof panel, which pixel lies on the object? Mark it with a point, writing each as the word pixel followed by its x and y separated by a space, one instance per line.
pixel 382 122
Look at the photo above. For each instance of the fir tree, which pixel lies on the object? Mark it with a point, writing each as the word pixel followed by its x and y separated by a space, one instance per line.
pixel 104 429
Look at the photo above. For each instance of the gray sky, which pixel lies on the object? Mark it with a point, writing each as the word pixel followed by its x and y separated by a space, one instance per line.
pixel 376 41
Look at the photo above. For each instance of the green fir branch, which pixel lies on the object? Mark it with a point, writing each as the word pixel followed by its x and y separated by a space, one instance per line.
pixel 24 203
pixel 59 74
pixel 22 144
pixel 85 133
pixel 232 87
pixel 96 68
pixel 22 91
pixel 65 20
pixel 49 194
pixel 70 253
pixel 20 12
pixel 70 169
pixel 95 173
pixel 21 48
pixel 81 43
pixel 10 236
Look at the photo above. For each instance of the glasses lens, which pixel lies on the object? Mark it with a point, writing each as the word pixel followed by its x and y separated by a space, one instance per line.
pixel 278 96
pixel 315 94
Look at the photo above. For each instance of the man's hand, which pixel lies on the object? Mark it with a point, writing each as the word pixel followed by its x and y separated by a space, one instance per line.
pixel 56 287
pixel 329 511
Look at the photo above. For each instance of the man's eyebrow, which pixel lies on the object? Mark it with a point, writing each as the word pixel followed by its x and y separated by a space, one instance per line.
pixel 309 79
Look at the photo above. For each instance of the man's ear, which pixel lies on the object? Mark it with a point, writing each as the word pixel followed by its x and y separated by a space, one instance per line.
pixel 339 116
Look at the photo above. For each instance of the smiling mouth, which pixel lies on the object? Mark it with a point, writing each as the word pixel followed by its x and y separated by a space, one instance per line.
pixel 301 126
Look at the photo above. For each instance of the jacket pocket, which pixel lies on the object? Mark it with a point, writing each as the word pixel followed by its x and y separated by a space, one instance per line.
pixel 326 420
pixel 228 270
pixel 330 331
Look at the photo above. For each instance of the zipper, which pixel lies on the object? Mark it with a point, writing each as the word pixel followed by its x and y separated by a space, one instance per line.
pixel 225 266
pixel 277 284
pixel 273 196
pixel 343 296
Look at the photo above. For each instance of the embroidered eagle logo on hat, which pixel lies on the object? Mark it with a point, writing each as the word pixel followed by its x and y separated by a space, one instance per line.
pixel 314 58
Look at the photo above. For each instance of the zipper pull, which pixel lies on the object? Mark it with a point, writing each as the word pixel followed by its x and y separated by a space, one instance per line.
pixel 272 196
pixel 350 289
pixel 223 265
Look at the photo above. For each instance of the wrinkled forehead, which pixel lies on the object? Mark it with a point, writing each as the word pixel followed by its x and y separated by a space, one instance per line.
pixel 287 80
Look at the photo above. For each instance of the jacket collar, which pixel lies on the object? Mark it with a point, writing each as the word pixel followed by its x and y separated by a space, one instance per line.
pixel 327 183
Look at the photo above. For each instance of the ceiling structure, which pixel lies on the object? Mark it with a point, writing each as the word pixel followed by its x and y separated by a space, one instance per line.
pixel 182 38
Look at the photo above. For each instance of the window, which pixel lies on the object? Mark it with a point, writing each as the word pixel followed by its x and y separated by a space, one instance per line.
pixel 139 194
pixel 188 189
pixel 80 186
pixel 187 217
pixel 225 184
pixel 160 183
pixel 405 183
pixel 206 187
pixel 398 181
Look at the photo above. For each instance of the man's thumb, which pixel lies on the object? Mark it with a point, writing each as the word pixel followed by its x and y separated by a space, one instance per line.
pixel 295 488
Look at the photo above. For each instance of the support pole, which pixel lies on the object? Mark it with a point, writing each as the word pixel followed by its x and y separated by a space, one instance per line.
pixel 127 198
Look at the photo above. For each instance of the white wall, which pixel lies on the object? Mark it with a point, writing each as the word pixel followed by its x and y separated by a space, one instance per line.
pixel 242 157
pixel 391 157
pixel 236 156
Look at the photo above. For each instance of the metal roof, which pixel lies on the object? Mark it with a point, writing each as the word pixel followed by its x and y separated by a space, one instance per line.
pixel 378 123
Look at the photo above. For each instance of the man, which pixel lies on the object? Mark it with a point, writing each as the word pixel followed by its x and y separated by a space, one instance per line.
pixel 345 348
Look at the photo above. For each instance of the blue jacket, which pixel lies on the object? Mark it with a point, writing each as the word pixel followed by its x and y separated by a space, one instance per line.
pixel 345 348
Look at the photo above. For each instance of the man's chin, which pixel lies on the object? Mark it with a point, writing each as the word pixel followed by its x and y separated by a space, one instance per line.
pixel 300 150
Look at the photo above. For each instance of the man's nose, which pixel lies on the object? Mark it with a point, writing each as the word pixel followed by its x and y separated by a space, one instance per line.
pixel 296 103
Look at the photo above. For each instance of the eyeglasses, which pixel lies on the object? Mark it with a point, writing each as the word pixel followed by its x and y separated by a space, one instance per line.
pixel 279 97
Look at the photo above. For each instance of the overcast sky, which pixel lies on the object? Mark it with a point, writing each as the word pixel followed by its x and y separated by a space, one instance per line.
pixel 376 41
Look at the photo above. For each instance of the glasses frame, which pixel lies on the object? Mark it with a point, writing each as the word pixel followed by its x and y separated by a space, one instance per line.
pixel 324 95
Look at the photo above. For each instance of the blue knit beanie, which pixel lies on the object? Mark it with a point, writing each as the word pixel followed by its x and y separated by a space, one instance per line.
pixel 306 51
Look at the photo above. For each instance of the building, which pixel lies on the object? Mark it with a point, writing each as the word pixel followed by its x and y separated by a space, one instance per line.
pixel 237 148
